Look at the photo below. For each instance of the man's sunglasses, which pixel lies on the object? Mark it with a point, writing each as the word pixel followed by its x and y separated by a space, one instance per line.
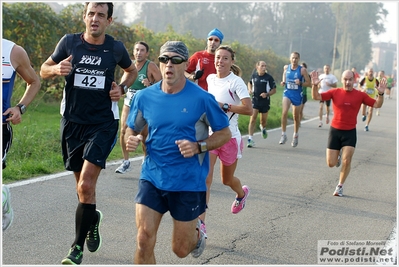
pixel 174 59
pixel 212 39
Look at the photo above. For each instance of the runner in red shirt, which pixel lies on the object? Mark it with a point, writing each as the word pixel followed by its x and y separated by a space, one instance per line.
pixel 342 134
pixel 202 63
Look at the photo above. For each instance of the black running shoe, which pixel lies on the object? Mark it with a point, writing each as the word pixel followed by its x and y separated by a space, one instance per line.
pixel 93 239
pixel 74 257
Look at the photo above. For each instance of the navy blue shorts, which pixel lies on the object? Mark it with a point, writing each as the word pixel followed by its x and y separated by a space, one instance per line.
pixel 7 141
pixel 183 205
pixel 340 138
pixel 91 142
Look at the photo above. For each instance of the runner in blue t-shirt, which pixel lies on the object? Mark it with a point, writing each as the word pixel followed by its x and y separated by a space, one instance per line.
pixel 178 114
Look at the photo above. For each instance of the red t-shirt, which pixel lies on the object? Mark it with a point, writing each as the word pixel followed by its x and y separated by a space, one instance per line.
pixel 357 77
pixel 202 60
pixel 346 106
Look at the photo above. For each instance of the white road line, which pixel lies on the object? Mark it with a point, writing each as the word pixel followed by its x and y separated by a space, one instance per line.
pixel 61 174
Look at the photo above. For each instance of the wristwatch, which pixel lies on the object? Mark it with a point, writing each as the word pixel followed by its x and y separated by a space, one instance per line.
pixel 124 87
pixel 226 107
pixel 22 108
pixel 202 147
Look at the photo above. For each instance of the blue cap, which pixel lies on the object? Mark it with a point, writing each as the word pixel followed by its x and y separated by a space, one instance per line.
pixel 216 32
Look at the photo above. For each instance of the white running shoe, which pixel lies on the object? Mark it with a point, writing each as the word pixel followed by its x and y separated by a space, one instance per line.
pixel 294 142
pixel 201 242
pixel 124 167
pixel 283 139
pixel 338 191
pixel 8 212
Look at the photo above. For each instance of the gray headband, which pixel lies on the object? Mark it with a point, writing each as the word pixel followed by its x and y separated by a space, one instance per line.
pixel 176 47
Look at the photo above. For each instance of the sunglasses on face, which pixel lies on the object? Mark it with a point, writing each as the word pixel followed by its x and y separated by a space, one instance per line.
pixel 174 59
pixel 214 39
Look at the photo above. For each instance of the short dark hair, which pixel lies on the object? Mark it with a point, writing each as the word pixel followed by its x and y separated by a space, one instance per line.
pixel 296 53
pixel 110 7
pixel 142 43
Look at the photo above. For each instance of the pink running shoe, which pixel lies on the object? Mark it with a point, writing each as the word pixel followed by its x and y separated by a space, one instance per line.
pixel 238 205
pixel 203 228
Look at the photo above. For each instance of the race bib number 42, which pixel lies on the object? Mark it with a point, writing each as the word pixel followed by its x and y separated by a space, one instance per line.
pixel 87 80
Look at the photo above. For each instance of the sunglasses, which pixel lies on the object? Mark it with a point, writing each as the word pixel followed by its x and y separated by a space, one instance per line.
pixel 214 39
pixel 174 59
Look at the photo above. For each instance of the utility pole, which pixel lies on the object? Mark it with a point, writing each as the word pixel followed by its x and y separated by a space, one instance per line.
pixel 335 45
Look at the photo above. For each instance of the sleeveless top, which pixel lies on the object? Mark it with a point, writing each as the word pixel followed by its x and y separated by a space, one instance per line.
pixel 370 85
pixel 8 73
pixel 291 76
pixel 142 74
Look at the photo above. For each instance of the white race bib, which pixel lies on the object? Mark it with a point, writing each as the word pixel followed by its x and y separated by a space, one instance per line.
pixel 292 86
pixel 91 82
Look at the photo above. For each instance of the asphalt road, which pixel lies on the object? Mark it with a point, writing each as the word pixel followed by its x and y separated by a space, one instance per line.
pixel 290 207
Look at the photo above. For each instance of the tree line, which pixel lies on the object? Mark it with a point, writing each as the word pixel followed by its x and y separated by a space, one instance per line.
pixel 267 31
pixel 310 28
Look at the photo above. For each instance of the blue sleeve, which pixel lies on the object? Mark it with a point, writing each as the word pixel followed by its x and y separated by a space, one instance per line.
pixel 135 119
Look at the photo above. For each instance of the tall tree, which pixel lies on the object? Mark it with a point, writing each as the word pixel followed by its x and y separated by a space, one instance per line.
pixel 355 22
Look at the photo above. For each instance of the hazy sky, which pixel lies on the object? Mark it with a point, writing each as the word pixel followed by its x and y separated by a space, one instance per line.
pixel 391 22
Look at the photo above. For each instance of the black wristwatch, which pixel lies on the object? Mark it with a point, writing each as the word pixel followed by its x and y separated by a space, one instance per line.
pixel 22 108
pixel 202 147
pixel 124 87
pixel 226 107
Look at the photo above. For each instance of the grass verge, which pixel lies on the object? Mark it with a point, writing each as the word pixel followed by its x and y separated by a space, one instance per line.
pixel 36 147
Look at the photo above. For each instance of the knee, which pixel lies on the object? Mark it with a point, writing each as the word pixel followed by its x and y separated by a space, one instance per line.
pixel 86 188
pixel 181 250
pixel 331 164
pixel 346 161
pixel 145 242
pixel 227 181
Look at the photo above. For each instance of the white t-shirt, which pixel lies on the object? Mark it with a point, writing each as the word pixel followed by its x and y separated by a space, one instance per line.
pixel 230 90
pixel 327 78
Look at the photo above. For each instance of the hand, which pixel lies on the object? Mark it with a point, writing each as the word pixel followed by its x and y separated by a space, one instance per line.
pixel 14 115
pixel 198 74
pixel 314 76
pixel 115 92
pixel 133 142
pixel 186 148
pixel 382 86
pixel 146 82
pixel 64 67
